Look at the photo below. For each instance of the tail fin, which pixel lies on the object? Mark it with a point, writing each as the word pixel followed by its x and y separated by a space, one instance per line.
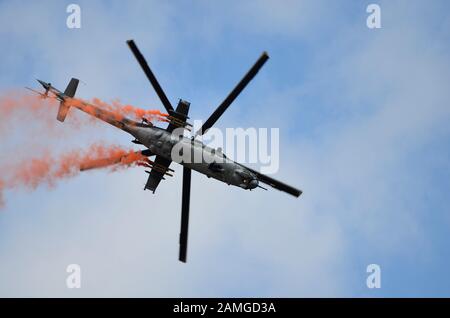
pixel 69 92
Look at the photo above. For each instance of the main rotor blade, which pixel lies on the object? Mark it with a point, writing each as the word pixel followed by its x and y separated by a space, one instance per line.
pixel 233 94
pixel 151 77
pixel 185 213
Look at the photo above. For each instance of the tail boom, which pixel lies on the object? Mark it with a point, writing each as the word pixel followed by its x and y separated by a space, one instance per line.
pixel 68 101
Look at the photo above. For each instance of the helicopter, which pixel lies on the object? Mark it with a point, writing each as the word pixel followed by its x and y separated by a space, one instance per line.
pixel 161 142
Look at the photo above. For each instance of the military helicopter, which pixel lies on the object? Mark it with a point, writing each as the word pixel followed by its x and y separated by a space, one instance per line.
pixel 160 142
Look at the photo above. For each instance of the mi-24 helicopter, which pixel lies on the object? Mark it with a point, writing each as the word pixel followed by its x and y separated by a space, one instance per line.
pixel 161 141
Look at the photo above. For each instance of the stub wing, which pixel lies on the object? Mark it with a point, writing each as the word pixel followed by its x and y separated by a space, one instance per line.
pixel 160 168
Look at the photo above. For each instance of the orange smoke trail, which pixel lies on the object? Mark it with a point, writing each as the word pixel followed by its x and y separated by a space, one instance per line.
pixel 117 109
pixel 48 169
pixel 13 100
pixel 21 113
pixel 16 105
pixel 134 112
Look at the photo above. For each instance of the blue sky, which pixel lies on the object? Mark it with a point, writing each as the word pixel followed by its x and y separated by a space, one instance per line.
pixel 363 117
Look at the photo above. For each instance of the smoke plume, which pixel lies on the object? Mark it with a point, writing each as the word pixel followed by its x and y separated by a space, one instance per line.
pixel 48 169
pixel 33 118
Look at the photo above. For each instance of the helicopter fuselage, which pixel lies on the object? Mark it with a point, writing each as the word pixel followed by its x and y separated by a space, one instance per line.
pixel 194 155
